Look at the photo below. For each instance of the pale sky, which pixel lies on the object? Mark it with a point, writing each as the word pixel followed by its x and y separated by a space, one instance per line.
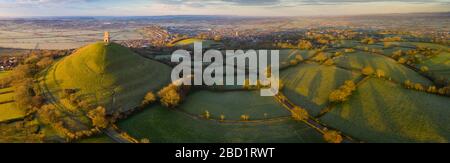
pixel 20 8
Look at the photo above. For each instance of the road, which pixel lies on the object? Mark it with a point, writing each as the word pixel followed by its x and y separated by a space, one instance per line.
pixel 115 135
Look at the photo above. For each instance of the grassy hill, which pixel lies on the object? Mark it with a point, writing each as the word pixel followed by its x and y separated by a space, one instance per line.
pixel 309 85
pixel 380 111
pixel 104 73
pixel 399 73
pixel 190 43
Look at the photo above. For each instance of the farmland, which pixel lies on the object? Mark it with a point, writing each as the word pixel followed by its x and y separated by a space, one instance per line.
pixel 439 65
pixel 162 125
pixel 112 78
pixel 14 36
pixel 341 82
pixel 309 85
pixel 9 111
pixel 8 108
pixel 233 104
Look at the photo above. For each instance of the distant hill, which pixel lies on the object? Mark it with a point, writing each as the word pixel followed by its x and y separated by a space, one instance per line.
pixel 109 75
pixel 189 43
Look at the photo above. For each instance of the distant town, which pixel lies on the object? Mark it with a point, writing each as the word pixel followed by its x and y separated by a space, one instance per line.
pixel 137 32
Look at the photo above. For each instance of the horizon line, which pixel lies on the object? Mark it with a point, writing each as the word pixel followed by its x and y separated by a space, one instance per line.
pixel 224 15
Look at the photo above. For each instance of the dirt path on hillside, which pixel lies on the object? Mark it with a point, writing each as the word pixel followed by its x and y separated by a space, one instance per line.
pixel 110 132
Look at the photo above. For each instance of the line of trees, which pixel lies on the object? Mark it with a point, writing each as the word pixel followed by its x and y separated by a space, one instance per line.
pixel 48 114
pixel 27 94
pixel 342 94
pixel 349 50
pixel 368 41
pixel 414 56
pixel 444 91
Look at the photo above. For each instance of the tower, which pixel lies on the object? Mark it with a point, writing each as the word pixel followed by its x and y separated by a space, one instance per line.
pixel 106 37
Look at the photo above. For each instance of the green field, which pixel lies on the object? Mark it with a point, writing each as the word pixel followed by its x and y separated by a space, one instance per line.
pixel 162 125
pixel 4 74
pixel 309 85
pixel 233 104
pixel 9 111
pixel 349 43
pixel 389 51
pixel 6 97
pixel 187 41
pixel 105 73
pixel 392 69
pixel 380 111
pixel 5 90
pixel 439 65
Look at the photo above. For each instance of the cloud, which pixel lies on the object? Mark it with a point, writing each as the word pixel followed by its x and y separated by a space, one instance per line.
pixel 225 7
pixel 337 2
pixel 42 3
pixel 203 3
pixel 285 2
pixel 254 2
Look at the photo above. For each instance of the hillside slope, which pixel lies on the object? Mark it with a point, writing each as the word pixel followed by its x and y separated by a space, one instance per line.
pixel 382 112
pixel 108 75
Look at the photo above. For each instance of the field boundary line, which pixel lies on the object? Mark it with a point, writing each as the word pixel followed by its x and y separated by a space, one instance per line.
pixel 311 121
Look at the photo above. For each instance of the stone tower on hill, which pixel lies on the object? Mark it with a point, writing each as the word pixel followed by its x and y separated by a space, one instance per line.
pixel 106 37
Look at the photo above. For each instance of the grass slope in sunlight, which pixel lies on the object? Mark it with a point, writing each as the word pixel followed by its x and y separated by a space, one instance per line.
pixel 102 72
pixel 380 111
